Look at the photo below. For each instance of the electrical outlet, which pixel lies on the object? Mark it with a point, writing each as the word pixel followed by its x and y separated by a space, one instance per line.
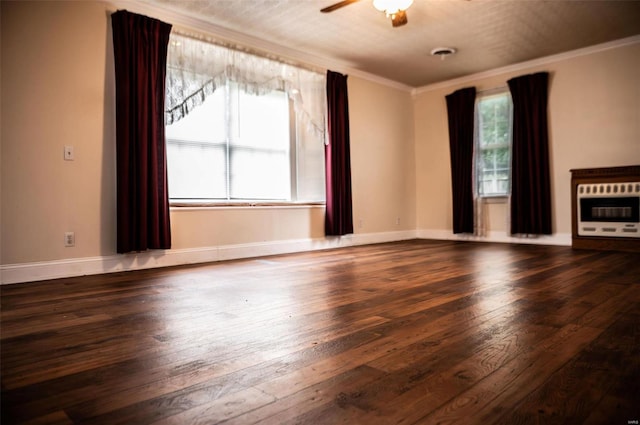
pixel 69 239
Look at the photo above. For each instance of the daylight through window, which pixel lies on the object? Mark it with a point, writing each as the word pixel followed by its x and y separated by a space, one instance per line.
pixel 234 146
pixel 242 127
pixel 493 144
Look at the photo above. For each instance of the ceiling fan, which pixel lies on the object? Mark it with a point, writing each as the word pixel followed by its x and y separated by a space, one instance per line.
pixel 396 10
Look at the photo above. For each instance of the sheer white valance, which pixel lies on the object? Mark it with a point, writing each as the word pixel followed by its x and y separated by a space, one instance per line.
pixel 196 68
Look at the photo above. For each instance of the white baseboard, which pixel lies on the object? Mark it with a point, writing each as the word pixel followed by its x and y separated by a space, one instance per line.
pixel 561 239
pixel 44 270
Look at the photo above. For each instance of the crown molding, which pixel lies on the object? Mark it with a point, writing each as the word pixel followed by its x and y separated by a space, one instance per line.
pixel 529 64
pixel 194 23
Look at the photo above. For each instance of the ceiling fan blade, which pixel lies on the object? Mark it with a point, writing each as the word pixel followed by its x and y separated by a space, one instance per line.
pixel 399 19
pixel 337 6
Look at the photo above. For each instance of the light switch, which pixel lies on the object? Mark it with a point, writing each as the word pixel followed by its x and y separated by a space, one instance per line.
pixel 68 153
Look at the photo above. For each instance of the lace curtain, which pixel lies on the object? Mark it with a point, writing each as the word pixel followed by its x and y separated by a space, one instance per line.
pixel 196 68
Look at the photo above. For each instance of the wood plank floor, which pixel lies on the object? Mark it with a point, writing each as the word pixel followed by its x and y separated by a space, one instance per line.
pixel 410 332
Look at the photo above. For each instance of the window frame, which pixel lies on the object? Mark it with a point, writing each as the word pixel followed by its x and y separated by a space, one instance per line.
pixel 478 150
pixel 234 89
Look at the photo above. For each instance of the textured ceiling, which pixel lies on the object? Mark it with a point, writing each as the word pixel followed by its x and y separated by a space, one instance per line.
pixel 488 34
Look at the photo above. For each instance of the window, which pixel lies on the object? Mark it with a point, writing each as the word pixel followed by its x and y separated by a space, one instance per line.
pixel 242 128
pixel 235 146
pixel 493 143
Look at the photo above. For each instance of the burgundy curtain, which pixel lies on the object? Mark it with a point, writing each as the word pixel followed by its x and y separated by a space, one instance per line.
pixel 461 111
pixel 530 180
pixel 339 215
pixel 140 54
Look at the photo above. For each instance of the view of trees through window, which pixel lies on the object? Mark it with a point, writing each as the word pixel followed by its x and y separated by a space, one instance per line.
pixel 493 144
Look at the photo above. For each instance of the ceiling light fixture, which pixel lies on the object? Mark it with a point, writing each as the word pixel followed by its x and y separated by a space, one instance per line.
pixel 394 9
pixel 443 52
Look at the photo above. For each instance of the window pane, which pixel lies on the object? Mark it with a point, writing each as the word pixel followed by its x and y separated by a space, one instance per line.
pixel 487 187
pixel 502 157
pixel 486 159
pixel 196 171
pixel 260 146
pixel 503 186
pixel 257 174
pixel 196 152
pixel 262 121
pixel 204 123
pixel 310 168
pixel 487 135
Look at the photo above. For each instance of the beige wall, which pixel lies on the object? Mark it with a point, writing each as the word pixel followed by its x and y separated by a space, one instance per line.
pixel 58 89
pixel 382 158
pixel 594 121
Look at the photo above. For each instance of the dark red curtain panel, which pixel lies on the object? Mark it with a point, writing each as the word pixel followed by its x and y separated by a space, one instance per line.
pixel 460 110
pixel 140 53
pixel 339 215
pixel 530 180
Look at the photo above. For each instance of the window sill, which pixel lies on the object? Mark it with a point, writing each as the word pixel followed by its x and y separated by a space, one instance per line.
pixel 495 199
pixel 244 204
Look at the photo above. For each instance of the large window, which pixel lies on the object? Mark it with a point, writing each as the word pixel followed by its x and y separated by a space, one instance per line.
pixel 235 146
pixel 493 143
pixel 241 127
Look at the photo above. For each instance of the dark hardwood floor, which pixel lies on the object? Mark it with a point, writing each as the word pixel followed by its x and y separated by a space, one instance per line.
pixel 410 332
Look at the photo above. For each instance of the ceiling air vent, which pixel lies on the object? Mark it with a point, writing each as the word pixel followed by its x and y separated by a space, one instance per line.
pixel 443 52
